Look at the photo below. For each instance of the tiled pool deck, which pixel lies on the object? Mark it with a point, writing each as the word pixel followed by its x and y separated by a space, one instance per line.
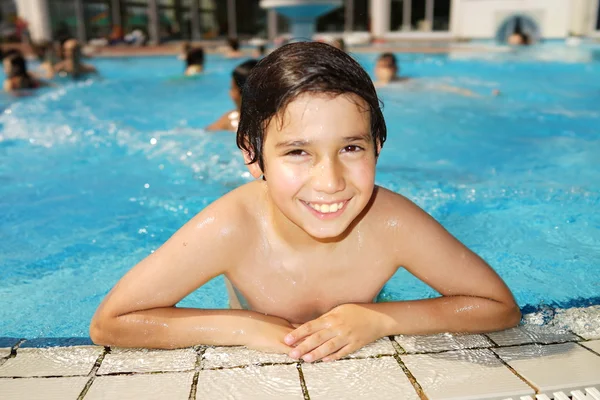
pixel 527 360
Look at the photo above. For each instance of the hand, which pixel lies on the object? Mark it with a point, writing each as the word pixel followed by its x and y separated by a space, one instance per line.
pixel 267 333
pixel 341 331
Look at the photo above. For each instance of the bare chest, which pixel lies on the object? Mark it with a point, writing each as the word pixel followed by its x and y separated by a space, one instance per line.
pixel 302 288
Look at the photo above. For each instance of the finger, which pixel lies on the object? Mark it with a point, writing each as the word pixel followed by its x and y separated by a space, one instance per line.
pixel 312 342
pixel 304 330
pixel 326 349
pixel 343 352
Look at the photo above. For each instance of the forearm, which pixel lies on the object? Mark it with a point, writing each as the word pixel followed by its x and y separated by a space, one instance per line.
pixel 172 327
pixel 444 314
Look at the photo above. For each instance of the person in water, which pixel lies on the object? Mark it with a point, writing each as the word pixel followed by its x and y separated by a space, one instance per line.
pixel 308 245
pixel 387 72
pixel 194 61
pixel 72 64
pixel 17 76
pixel 230 120
pixel 233 48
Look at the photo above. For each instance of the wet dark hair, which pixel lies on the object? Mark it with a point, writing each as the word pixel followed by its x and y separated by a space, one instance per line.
pixel 18 68
pixel 11 52
pixel 241 72
pixel 295 69
pixel 195 57
pixel 233 43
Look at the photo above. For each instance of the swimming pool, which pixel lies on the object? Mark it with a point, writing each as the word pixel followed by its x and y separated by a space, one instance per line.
pixel 97 174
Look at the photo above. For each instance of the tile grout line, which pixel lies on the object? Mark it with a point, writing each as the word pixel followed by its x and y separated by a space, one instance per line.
pixel 302 382
pixel 411 378
pixel 588 349
pixel 92 373
pixel 514 371
pixel 194 388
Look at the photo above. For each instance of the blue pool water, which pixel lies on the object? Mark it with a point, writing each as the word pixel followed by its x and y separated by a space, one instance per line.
pixel 95 175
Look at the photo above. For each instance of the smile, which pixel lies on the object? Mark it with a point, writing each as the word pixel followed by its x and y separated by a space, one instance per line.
pixel 327 208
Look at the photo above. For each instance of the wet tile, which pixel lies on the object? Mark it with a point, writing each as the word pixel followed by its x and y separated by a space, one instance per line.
pixel 582 321
pixel 42 388
pixel 253 382
pixel 380 347
pixel 234 356
pixel 594 345
pixel 172 386
pixel 441 342
pixel 4 352
pixel 144 360
pixel 532 334
pixel 370 378
pixel 554 367
pixel 55 361
pixel 465 374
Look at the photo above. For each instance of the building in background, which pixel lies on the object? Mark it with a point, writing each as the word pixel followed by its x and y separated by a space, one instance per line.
pixel 164 20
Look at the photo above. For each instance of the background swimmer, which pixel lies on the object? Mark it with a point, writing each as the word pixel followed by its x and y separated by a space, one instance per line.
pixel 230 120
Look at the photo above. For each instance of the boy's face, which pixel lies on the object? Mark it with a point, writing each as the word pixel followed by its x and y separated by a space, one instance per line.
pixel 320 163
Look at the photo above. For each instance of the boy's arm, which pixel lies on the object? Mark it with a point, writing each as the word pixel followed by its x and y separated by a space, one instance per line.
pixel 474 300
pixel 140 310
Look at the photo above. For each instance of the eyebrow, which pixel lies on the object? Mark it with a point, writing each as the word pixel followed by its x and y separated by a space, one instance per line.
pixel 302 143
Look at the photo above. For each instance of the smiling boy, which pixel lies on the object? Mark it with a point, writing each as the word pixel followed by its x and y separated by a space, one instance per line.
pixel 307 248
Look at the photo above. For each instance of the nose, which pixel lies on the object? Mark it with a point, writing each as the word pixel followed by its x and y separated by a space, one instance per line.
pixel 328 176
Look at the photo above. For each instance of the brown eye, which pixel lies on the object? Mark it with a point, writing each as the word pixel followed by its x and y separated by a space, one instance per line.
pixel 295 153
pixel 352 149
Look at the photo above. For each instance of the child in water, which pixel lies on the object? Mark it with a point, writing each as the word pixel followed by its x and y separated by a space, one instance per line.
pixel 309 244
pixel 231 119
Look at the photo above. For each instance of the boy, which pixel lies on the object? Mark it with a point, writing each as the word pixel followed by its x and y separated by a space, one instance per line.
pixel 230 120
pixel 308 247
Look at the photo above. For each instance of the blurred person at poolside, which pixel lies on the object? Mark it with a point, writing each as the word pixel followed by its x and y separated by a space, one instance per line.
pixel 231 119
pixel 72 64
pixel 306 247
pixel 117 35
pixel 17 76
pixel 233 48
pixel 194 61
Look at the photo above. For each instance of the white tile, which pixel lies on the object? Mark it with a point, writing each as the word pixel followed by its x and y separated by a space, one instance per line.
pixel 52 361
pixel 144 360
pixel 234 356
pixel 172 386
pixel 441 342
pixel 370 378
pixel 248 383
pixel 4 352
pixel 380 347
pixel 42 388
pixel 594 345
pixel 583 321
pixel 554 367
pixel 532 334
pixel 465 374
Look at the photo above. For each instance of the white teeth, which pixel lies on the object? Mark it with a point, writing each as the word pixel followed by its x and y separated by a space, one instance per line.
pixel 327 208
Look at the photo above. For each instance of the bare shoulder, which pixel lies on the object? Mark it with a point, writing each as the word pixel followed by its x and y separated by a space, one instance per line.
pixel 228 220
pixel 393 209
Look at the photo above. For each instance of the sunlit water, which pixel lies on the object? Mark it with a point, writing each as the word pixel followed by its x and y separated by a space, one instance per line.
pixel 95 175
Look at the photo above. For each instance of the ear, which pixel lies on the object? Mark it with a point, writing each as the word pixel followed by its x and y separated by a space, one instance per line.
pixel 254 168
pixel 378 144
